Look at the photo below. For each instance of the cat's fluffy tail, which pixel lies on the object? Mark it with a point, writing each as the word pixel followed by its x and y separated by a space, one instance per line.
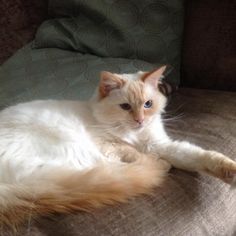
pixel 62 191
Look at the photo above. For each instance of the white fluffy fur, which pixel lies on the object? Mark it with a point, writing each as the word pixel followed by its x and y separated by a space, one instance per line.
pixel 49 134
pixel 45 135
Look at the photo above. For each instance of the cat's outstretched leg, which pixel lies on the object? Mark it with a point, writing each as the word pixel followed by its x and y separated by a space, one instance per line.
pixel 190 157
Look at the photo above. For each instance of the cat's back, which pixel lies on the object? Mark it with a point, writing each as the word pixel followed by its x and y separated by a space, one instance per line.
pixel 48 112
pixel 50 131
pixel 50 121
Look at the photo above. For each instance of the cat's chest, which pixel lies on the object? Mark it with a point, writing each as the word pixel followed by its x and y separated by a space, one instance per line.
pixel 131 138
pixel 106 141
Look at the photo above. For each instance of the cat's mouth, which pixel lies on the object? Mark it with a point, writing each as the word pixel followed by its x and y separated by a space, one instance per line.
pixel 138 126
pixel 134 126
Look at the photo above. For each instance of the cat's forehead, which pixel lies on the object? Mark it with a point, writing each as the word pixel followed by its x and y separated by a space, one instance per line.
pixel 135 76
pixel 137 92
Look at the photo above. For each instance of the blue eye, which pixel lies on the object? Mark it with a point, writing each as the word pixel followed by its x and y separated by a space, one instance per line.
pixel 148 104
pixel 125 106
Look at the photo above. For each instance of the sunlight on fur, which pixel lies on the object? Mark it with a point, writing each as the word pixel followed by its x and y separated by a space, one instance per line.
pixel 62 156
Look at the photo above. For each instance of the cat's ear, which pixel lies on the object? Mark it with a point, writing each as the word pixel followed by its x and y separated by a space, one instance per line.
pixel 154 76
pixel 108 82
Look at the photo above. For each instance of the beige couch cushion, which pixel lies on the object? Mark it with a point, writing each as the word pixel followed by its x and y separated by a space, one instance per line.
pixel 189 203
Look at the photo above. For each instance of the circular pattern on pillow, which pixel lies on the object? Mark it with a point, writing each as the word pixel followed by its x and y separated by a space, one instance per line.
pixel 90 37
pixel 71 67
pixel 151 48
pixel 118 45
pixel 155 18
pixel 93 72
pixel 142 65
pixel 128 14
pixel 47 86
pixel 176 22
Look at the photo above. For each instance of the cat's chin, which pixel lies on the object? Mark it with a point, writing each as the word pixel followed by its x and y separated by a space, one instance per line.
pixel 138 127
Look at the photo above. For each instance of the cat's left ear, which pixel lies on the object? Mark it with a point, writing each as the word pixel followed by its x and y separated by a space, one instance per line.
pixel 153 77
pixel 109 82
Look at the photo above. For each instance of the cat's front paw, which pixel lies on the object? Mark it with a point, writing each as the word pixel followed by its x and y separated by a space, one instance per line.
pixel 220 166
pixel 165 165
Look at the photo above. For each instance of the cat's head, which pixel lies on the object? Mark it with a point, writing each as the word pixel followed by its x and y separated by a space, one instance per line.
pixel 129 101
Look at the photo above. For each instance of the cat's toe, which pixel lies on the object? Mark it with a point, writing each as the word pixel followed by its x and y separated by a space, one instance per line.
pixel 229 175
pixel 164 164
pixel 222 167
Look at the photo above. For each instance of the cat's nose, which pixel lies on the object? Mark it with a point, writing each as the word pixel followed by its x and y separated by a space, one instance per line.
pixel 139 120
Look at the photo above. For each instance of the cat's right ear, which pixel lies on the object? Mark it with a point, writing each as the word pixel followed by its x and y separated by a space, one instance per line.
pixel 108 82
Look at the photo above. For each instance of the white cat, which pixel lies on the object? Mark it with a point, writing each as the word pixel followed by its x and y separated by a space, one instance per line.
pixel 59 156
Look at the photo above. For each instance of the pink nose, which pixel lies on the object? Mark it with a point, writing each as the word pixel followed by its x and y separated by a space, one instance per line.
pixel 140 120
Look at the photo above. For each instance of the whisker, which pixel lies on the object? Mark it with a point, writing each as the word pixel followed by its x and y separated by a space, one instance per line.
pixel 173 118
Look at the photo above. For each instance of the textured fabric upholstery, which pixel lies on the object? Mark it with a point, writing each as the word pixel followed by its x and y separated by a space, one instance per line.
pixel 189 203
pixel 146 30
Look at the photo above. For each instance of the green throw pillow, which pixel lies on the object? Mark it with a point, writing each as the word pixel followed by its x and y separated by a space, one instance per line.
pixel 138 29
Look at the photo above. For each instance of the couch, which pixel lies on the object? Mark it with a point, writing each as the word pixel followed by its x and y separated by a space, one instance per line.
pixel 202 111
